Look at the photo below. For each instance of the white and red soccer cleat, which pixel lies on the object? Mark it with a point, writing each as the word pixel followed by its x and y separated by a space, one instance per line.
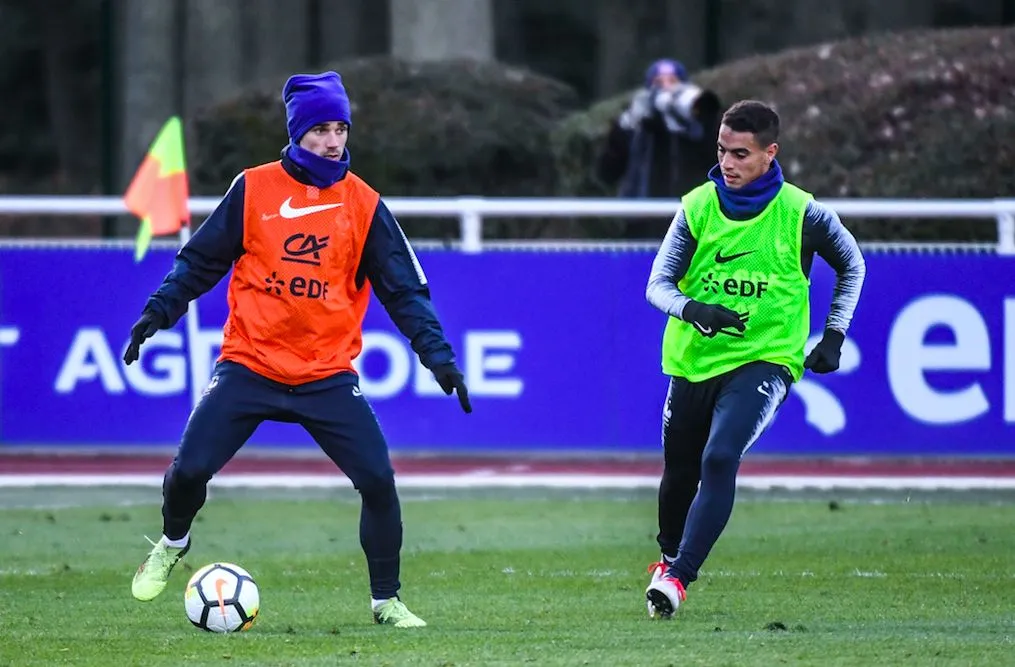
pixel 664 593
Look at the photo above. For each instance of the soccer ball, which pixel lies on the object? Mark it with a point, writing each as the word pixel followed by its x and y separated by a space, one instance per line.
pixel 222 597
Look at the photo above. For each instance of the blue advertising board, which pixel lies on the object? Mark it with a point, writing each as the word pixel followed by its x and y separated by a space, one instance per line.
pixel 560 351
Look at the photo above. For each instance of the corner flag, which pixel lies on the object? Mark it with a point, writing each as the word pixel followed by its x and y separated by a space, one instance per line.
pixel 159 191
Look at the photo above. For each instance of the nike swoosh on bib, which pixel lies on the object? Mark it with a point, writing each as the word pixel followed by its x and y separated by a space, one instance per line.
pixel 286 210
pixel 719 259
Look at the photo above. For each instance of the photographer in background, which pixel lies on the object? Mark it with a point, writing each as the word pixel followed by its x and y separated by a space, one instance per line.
pixel 660 145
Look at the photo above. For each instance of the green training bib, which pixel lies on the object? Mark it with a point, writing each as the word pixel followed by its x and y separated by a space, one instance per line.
pixel 750 266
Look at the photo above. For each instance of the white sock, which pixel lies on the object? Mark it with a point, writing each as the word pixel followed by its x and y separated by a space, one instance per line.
pixel 177 544
pixel 376 604
pixel 668 560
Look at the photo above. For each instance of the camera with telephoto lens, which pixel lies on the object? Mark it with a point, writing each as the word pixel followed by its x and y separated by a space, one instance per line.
pixel 688 101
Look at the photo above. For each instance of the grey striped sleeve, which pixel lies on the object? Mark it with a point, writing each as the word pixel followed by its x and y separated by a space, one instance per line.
pixel 669 266
pixel 824 234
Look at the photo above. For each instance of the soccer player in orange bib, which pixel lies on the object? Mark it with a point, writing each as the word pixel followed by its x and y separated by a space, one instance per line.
pixel 306 240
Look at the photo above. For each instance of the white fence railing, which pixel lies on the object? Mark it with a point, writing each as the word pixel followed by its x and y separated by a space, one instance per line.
pixel 471 211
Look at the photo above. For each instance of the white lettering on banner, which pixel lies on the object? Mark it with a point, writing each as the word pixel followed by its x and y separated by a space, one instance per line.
pixel 1009 360
pixel 480 360
pixel 486 353
pixel 399 366
pixel 173 367
pixel 425 384
pixel 822 409
pixel 89 358
pixel 9 336
pixel 489 361
pixel 909 357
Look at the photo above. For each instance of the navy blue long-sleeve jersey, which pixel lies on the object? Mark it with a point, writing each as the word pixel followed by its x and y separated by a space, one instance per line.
pixel 388 263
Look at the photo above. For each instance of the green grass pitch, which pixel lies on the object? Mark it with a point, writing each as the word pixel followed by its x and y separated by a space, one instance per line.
pixel 511 578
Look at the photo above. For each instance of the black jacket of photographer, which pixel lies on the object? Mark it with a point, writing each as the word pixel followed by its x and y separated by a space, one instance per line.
pixel 663 144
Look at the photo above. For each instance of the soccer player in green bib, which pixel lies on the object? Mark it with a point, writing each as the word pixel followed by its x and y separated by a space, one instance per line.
pixel 732 274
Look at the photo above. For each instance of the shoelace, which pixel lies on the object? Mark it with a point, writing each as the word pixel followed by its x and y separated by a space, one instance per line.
pixel 166 558
pixel 395 610
pixel 664 568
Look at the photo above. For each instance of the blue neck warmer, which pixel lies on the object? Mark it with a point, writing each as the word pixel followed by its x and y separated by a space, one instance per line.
pixel 750 200
pixel 320 171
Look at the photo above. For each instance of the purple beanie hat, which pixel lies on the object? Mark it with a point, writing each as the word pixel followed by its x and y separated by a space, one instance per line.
pixel 311 99
pixel 674 66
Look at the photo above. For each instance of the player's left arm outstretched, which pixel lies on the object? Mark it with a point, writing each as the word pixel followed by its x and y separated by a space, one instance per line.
pixel 824 234
pixel 398 280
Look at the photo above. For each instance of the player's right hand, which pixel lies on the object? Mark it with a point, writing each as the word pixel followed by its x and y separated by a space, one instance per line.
pixel 143 329
pixel 709 319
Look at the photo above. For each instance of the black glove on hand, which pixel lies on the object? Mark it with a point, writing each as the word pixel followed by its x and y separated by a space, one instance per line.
pixel 710 319
pixel 451 379
pixel 824 358
pixel 142 330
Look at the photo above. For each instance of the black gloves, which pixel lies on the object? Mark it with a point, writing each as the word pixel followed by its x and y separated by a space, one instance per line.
pixel 451 379
pixel 710 320
pixel 142 330
pixel 824 358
